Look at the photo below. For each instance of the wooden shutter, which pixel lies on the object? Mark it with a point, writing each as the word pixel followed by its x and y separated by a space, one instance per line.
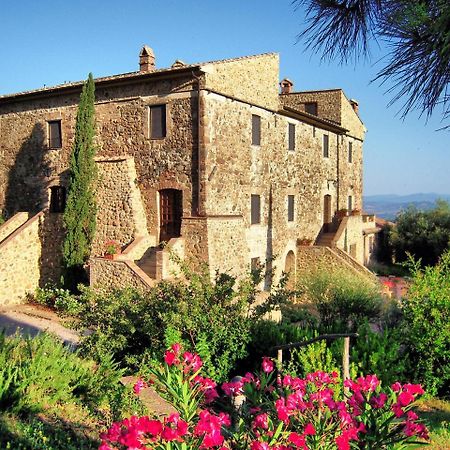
pixel 54 134
pixel 326 152
pixel 256 130
pixel 255 209
pixel 290 208
pixel 158 121
pixel 291 136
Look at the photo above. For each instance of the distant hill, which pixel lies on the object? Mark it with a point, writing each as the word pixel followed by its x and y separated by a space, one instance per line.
pixel 387 206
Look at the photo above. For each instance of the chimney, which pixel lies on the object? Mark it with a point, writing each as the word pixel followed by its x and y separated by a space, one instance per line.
pixel 355 105
pixel 146 60
pixel 286 86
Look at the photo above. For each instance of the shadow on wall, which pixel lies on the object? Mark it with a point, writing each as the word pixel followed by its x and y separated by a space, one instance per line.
pixel 26 187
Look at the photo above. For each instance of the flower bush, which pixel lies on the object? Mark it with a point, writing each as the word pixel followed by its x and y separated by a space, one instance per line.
pixel 270 411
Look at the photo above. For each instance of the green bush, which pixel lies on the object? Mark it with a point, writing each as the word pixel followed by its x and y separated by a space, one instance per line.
pixel 213 318
pixel 426 311
pixel 39 373
pixel 342 301
pixel 60 299
pixel 380 352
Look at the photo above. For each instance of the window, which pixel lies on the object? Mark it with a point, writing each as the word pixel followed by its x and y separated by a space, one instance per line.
pixel 290 208
pixel 326 150
pixel 291 134
pixel 57 199
pixel 255 265
pixel 311 108
pixel 350 152
pixel 158 121
pixel 54 134
pixel 255 209
pixel 350 203
pixel 256 130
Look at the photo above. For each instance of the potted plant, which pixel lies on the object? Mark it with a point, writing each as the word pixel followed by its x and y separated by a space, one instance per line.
pixel 112 249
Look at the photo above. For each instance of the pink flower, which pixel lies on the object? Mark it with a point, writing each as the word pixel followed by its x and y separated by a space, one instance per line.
pixel 261 421
pixel 176 348
pixel 170 358
pixel 378 402
pixel 396 387
pixel 267 365
pixel 256 445
pixel 298 440
pixel 405 398
pixel 104 446
pixel 138 386
pixel 309 430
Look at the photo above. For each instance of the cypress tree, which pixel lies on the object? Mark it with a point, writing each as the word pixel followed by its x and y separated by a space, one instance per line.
pixel 80 213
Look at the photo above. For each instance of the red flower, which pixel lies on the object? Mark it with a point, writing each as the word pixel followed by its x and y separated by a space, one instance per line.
pixel 267 365
pixel 309 430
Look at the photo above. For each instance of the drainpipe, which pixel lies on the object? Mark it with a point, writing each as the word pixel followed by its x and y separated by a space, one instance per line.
pixel 337 171
pixel 199 207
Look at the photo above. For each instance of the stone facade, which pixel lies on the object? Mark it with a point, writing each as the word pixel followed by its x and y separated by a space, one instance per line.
pixel 194 182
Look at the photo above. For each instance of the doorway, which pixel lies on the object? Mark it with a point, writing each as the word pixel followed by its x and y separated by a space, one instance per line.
pixel 170 213
pixel 327 219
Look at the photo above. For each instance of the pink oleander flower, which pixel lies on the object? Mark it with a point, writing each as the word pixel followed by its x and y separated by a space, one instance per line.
pixel 192 362
pixel 261 421
pixel 405 398
pixel 378 401
pixel 233 388
pixel 170 358
pixel 298 440
pixel 138 386
pixel 267 365
pixel 257 445
pixel 309 430
pixel 343 441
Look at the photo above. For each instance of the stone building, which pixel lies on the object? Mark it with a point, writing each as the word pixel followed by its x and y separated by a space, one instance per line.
pixel 219 160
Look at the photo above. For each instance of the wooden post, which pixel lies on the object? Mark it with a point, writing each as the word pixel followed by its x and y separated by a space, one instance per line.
pixel 346 359
pixel 280 358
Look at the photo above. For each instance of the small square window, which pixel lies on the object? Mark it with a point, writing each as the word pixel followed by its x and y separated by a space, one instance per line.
pixel 54 134
pixel 291 200
pixel 57 199
pixel 158 121
pixel 325 146
pixel 255 209
pixel 291 133
pixel 350 152
pixel 311 108
pixel 256 130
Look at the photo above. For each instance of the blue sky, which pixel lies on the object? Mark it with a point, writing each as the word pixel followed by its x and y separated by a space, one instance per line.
pixel 49 42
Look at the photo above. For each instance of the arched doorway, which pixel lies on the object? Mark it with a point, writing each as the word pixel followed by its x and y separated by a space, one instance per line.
pixel 289 268
pixel 327 213
pixel 170 213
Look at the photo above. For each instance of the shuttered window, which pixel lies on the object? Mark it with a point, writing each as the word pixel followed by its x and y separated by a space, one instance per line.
pixel 350 152
pixel 54 134
pixel 291 133
pixel 256 130
pixel 255 209
pixel 291 208
pixel 326 150
pixel 157 121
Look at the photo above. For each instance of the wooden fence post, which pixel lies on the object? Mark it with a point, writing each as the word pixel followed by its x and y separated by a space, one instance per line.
pixel 346 359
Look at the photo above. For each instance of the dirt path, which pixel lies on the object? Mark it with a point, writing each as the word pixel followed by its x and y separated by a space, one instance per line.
pixel 30 320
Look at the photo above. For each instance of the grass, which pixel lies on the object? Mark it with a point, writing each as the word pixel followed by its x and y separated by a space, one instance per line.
pixel 436 414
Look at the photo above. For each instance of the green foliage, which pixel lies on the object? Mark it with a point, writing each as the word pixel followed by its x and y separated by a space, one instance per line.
pixel 39 373
pixel 383 249
pixel 380 352
pixel 62 300
pixel 423 234
pixel 341 300
pixel 80 213
pixel 214 318
pixel 427 324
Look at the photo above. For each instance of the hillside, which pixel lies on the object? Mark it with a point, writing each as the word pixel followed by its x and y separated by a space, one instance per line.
pixel 388 206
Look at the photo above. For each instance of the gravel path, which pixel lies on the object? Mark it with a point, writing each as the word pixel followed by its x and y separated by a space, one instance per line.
pixel 30 320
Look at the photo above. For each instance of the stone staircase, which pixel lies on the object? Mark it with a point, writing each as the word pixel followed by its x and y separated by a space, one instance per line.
pixel 326 240
pixel 149 262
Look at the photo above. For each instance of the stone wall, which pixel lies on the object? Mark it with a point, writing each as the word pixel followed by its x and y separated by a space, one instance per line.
pixel 20 255
pixel 235 169
pixel 12 224
pixel 253 79
pixel 118 275
pixel 120 212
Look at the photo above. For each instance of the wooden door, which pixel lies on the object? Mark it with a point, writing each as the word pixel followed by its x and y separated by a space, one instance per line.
pixel 327 214
pixel 170 212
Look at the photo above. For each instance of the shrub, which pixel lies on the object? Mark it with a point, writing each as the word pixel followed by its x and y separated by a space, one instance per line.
pixel 426 310
pixel 213 318
pixel 60 299
pixel 277 412
pixel 342 301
